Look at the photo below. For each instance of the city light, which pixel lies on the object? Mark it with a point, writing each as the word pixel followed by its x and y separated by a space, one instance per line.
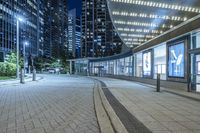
pixel 26 43
pixel 20 18
pixel 159 5
pixel 145 15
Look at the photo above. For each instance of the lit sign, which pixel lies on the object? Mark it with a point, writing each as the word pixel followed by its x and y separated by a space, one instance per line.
pixel 176 60
pixel 198 67
pixel 147 64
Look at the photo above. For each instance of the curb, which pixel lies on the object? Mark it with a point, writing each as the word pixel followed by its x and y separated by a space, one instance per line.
pixel 28 79
pixel 102 116
pixel 114 125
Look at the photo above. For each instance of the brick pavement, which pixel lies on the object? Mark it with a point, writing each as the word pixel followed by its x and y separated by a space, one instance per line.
pixel 56 104
pixel 160 112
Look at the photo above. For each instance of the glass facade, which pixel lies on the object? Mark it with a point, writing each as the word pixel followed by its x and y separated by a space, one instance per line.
pixel 146 64
pixel 138 65
pixel 29 30
pixel 160 61
pixel 99 37
pixel 121 66
pixel 196 40
pixel 170 59
pixel 55 28
pixel 128 66
pixel 81 67
pixel 195 61
pixel 74 35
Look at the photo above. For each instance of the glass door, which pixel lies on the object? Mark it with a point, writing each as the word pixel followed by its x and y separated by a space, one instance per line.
pixel 195 72
pixel 198 73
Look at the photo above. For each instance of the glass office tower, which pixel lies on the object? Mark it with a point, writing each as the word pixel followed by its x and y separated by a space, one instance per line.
pixel 74 34
pixel 28 29
pixel 99 38
pixel 56 25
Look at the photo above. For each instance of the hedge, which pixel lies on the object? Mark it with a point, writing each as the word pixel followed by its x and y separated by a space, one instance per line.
pixel 7 69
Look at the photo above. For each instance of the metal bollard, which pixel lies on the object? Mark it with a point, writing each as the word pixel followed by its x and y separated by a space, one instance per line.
pixel 158 83
pixel 34 75
pixel 22 76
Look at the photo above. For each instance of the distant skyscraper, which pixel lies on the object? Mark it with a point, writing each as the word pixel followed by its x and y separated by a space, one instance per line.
pixel 40 23
pixel 74 34
pixel 99 38
pixel 29 30
pixel 55 28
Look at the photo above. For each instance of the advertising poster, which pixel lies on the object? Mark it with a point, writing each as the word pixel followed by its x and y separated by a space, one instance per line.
pixel 176 60
pixel 198 67
pixel 147 64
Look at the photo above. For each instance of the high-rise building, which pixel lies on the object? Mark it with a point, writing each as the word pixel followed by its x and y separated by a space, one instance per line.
pixel 40 23
pixel 55 25
pixel 74 34
pixel 99 38
pixel 29 29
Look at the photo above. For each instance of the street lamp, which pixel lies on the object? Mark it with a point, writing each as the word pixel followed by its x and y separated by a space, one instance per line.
pixel 19 19
pixel 24 53
pixel 58 61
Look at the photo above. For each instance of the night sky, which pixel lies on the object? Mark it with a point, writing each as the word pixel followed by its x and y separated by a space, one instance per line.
pixel 75 4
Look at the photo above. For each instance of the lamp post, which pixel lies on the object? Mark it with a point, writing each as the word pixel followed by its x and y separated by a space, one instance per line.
pixel 24 53
pixel 19 19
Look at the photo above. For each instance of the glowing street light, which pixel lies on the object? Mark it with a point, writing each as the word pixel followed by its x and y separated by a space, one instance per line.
pixel 19 19
pixel 24 53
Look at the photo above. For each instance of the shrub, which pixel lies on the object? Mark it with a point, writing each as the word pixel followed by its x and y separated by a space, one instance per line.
pixel 7 69
pixel 2 69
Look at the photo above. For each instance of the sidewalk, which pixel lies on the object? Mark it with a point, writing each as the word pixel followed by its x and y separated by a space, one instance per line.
pixel 17 81
pixel 190 95
pixel 162 112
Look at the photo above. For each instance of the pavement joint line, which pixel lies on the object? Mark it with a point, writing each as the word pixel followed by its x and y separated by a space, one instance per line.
pixel 129 122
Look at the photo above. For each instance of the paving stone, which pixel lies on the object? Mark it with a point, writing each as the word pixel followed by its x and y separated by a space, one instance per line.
pixel 160 112
pixel 56 104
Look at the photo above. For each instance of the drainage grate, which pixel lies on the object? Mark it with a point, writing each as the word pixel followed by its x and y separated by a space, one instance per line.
pixel 132 124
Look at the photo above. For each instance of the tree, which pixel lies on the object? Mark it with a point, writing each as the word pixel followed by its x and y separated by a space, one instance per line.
pixel 12 58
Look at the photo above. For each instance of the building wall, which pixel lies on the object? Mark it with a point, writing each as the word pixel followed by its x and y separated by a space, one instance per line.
pixel 99 38
pixel 28 29
pixel 74 34
pixel 56 24
pixel 176 60
pixel 40 25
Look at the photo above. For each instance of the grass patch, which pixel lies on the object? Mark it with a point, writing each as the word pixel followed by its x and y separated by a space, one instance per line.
pixel 5 77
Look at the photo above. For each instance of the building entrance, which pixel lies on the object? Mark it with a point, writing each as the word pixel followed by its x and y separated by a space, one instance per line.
pixel 195 72
pixel 198 73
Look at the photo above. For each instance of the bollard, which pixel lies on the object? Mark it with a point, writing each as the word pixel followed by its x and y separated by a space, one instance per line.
pixel 22 76
pixel 34 75
pixel 158 83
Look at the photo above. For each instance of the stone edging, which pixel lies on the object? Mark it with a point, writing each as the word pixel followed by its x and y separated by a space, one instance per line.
pixel 102 117
pixel 108 121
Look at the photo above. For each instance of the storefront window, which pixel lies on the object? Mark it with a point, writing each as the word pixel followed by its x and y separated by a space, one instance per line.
pixel 147 64
pixel 104 67
pixel 96 65
pixel 138 71
pixel 120 65
pixel 160 61
pixel 176 60
pixel 196 40
pixel 110 67
pixel 128 66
